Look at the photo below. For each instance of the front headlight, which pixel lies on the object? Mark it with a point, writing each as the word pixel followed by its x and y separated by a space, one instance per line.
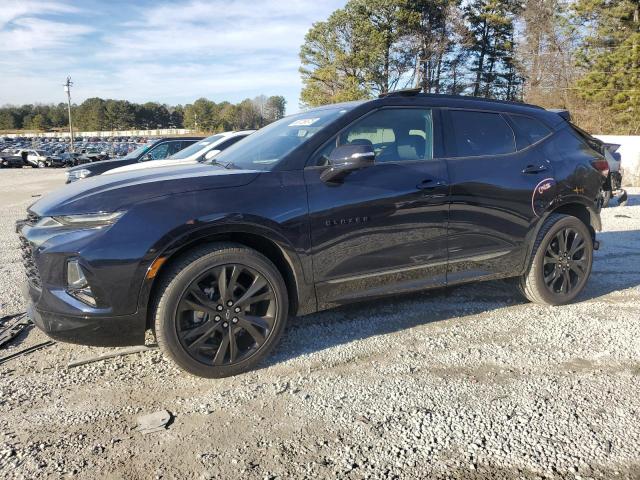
pixel 83 220
pixel 78 174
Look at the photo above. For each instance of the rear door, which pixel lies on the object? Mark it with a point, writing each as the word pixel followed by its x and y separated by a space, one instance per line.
pixel 383 229
pixel 500 182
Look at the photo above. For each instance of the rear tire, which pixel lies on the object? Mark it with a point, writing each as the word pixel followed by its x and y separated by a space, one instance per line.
pixel 606 198
pixel 560 262
pixel 220 309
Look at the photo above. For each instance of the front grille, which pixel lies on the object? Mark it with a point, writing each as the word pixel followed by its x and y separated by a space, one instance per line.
pixel 31 269
pixel 32 218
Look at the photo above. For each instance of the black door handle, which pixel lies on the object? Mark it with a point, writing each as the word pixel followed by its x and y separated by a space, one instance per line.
pixel 535 169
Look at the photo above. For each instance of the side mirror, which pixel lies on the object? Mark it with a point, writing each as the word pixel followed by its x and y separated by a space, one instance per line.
pixel 345 159
pixel 146 158
pixel 210 154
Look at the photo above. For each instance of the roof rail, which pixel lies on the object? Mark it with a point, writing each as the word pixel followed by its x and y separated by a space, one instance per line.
pixel 405 92
pixel 482 99
pixel 411 92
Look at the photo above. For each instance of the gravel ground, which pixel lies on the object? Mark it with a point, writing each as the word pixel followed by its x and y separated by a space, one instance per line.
pixel 469 382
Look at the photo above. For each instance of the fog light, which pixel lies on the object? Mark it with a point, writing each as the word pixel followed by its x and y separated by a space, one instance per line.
pixel 75 275
pixel 78 287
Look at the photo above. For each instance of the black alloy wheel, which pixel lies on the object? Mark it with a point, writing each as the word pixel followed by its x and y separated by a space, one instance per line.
pixel 565 262
pixel 220 309
pixel 560 262
pixel 226 314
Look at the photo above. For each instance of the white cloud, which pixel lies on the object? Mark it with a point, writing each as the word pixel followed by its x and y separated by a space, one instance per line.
pixel 217 28
pixel 21 31
pixel 12 9
pixel 170 52
pixel 28 34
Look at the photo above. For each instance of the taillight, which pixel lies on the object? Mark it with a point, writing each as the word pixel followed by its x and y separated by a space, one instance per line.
pixel 602 166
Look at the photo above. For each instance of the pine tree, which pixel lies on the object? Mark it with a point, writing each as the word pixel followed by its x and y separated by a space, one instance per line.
pixel 491 25
pixel 611 57
pixel 436 31
pixel 332 67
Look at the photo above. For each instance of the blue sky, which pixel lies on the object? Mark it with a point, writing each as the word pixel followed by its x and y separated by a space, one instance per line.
pixel 168 51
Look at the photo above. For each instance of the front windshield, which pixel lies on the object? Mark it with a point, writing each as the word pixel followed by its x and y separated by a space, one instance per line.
pixel 196 147
pixel 263 149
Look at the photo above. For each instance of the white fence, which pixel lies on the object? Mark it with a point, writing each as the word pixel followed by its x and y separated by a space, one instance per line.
pixel 161 132
pixel 630 156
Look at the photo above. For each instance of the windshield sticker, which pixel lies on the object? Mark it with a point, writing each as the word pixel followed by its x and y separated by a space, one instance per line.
pixel 542 196
pixel 304 122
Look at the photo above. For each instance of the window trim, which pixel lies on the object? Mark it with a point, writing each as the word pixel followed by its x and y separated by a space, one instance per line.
pixel 438 132
pixel 450 142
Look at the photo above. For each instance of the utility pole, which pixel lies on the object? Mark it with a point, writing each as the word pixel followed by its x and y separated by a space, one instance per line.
pixel 67 89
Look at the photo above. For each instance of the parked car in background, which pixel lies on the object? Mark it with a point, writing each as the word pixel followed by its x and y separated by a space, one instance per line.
pixel 96 154
pixel 56 161
pixel 71 159
pixel 201 151
pixel 34 158
pixel 613 185
pixel 11 160
pixel 157 150
pixel 329 206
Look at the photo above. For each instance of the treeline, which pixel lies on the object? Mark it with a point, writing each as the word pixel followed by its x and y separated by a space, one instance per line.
pixel 96 114
pixel 583 55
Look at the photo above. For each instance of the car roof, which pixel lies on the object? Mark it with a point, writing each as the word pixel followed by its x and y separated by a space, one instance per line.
pixel 412 97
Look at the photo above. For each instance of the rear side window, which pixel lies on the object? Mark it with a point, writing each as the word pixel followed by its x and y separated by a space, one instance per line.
pixel 530 129
pixel 480 133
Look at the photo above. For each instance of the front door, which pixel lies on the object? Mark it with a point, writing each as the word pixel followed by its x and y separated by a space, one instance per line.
pixel 382 229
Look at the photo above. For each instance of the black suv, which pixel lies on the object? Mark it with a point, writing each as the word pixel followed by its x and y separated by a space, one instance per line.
pixel 332 205
pixel 158 150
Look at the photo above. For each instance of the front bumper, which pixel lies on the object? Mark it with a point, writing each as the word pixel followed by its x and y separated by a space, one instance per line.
pixel 113 321
pixel 100 332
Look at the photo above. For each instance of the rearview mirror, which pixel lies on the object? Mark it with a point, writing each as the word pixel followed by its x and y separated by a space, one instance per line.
pixel 347 158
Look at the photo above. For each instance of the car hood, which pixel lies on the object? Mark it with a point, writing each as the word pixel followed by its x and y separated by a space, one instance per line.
pixel 113 163
pixel 107 193
pixel 151 164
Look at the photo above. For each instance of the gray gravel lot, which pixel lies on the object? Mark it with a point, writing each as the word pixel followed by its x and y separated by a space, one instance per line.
pixel 469 382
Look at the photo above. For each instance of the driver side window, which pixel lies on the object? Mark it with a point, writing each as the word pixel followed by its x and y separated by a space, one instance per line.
pixel 157 153
pixel 395 134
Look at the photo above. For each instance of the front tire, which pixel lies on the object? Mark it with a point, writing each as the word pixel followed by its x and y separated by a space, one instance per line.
pixel 41 164
pixel 221 309
pixel 560 263
pixel 606 198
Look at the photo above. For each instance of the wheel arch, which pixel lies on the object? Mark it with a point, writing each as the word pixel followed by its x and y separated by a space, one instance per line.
pixel 301 296
pixel 575 207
